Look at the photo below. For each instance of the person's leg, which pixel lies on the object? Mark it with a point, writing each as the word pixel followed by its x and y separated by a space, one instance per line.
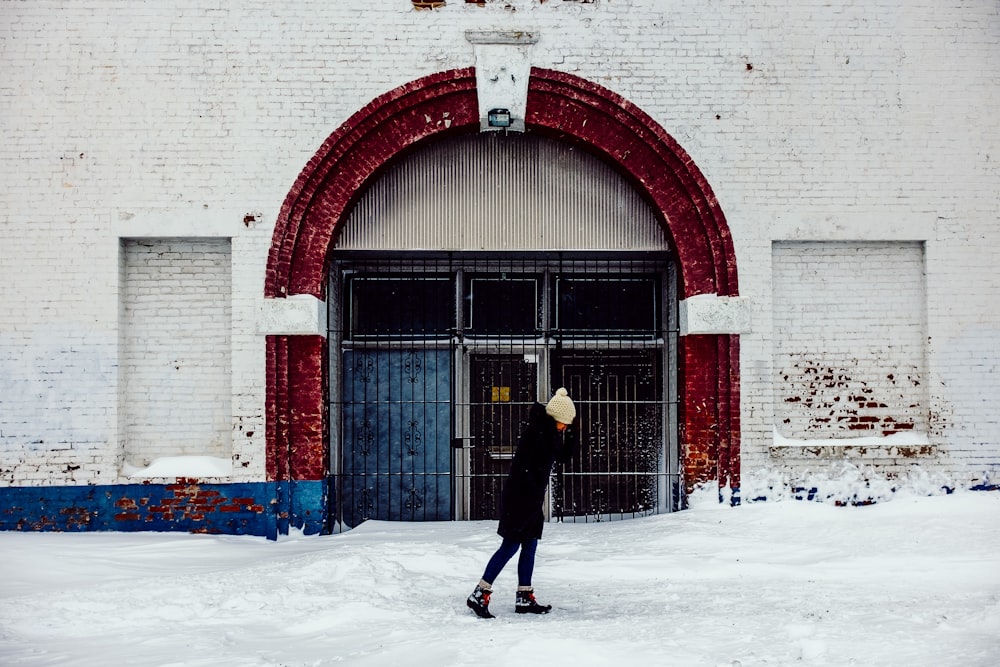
pixel 500 558
pixel 526 563
pixel 479 600
pixel 525 602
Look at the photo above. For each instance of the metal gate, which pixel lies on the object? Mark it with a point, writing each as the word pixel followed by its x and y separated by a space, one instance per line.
pixel 396 460
pixel 502 389
pixel 617 472
pixel 437 358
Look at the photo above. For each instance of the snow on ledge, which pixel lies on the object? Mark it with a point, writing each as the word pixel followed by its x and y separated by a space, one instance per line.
pixel 182 466
pixel 914 438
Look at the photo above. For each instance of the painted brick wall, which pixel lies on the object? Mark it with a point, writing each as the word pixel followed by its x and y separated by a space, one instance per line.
pixel 255 508
pixel 851 121
pixel 176 395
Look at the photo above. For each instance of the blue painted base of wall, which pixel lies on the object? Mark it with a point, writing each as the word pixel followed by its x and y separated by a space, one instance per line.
pixel 267 509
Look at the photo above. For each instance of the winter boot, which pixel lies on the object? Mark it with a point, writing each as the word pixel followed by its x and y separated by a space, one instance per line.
pixel 527 604
pixel 479 601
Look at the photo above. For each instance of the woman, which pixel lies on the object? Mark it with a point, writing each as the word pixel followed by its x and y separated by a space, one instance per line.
pixel 546 439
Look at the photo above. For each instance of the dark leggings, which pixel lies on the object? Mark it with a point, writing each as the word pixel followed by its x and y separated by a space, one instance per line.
pixel 525 563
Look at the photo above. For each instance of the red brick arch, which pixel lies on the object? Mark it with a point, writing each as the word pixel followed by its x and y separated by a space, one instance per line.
pixel 560 105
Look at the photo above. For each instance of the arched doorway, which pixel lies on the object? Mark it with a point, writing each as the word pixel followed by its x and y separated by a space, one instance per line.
pixel 475 276
pixel 571 110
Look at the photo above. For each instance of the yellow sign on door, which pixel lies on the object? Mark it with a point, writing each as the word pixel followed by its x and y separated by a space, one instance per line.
pixel 500 394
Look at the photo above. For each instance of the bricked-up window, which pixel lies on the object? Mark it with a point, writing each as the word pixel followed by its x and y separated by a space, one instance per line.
pixel 176 363
pixel 849 338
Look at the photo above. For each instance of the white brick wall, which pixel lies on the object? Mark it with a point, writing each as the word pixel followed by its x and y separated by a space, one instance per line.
pixel 851 121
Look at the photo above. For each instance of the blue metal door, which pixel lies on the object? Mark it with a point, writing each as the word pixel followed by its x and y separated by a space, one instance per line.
pixel 397 435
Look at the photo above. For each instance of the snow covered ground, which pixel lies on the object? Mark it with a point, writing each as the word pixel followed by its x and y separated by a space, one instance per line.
pixel 913 581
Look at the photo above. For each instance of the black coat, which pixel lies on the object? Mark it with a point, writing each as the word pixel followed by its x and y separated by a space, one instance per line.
pixel 540 445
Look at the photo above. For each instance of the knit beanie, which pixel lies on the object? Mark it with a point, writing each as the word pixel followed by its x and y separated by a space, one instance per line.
pixel 561 407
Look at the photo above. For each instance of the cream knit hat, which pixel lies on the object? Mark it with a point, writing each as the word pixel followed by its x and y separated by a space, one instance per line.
pixel 561 407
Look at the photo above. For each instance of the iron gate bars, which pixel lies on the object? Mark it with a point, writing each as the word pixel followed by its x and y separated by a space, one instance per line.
pixel 437 357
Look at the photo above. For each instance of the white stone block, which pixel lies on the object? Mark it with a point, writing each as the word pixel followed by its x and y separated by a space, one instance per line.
pixel 712 314
pixel 503 64
pixel 296 315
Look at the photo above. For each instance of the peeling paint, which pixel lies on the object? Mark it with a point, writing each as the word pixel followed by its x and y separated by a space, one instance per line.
pixel 244 508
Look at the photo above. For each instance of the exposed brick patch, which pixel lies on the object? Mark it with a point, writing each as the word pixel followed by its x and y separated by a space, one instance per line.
pixel 276 408
pixel 870 455
pixel 297 444
pixel 709 413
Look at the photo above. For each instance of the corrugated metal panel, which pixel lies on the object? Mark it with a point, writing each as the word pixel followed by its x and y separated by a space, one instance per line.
pixel 501 192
